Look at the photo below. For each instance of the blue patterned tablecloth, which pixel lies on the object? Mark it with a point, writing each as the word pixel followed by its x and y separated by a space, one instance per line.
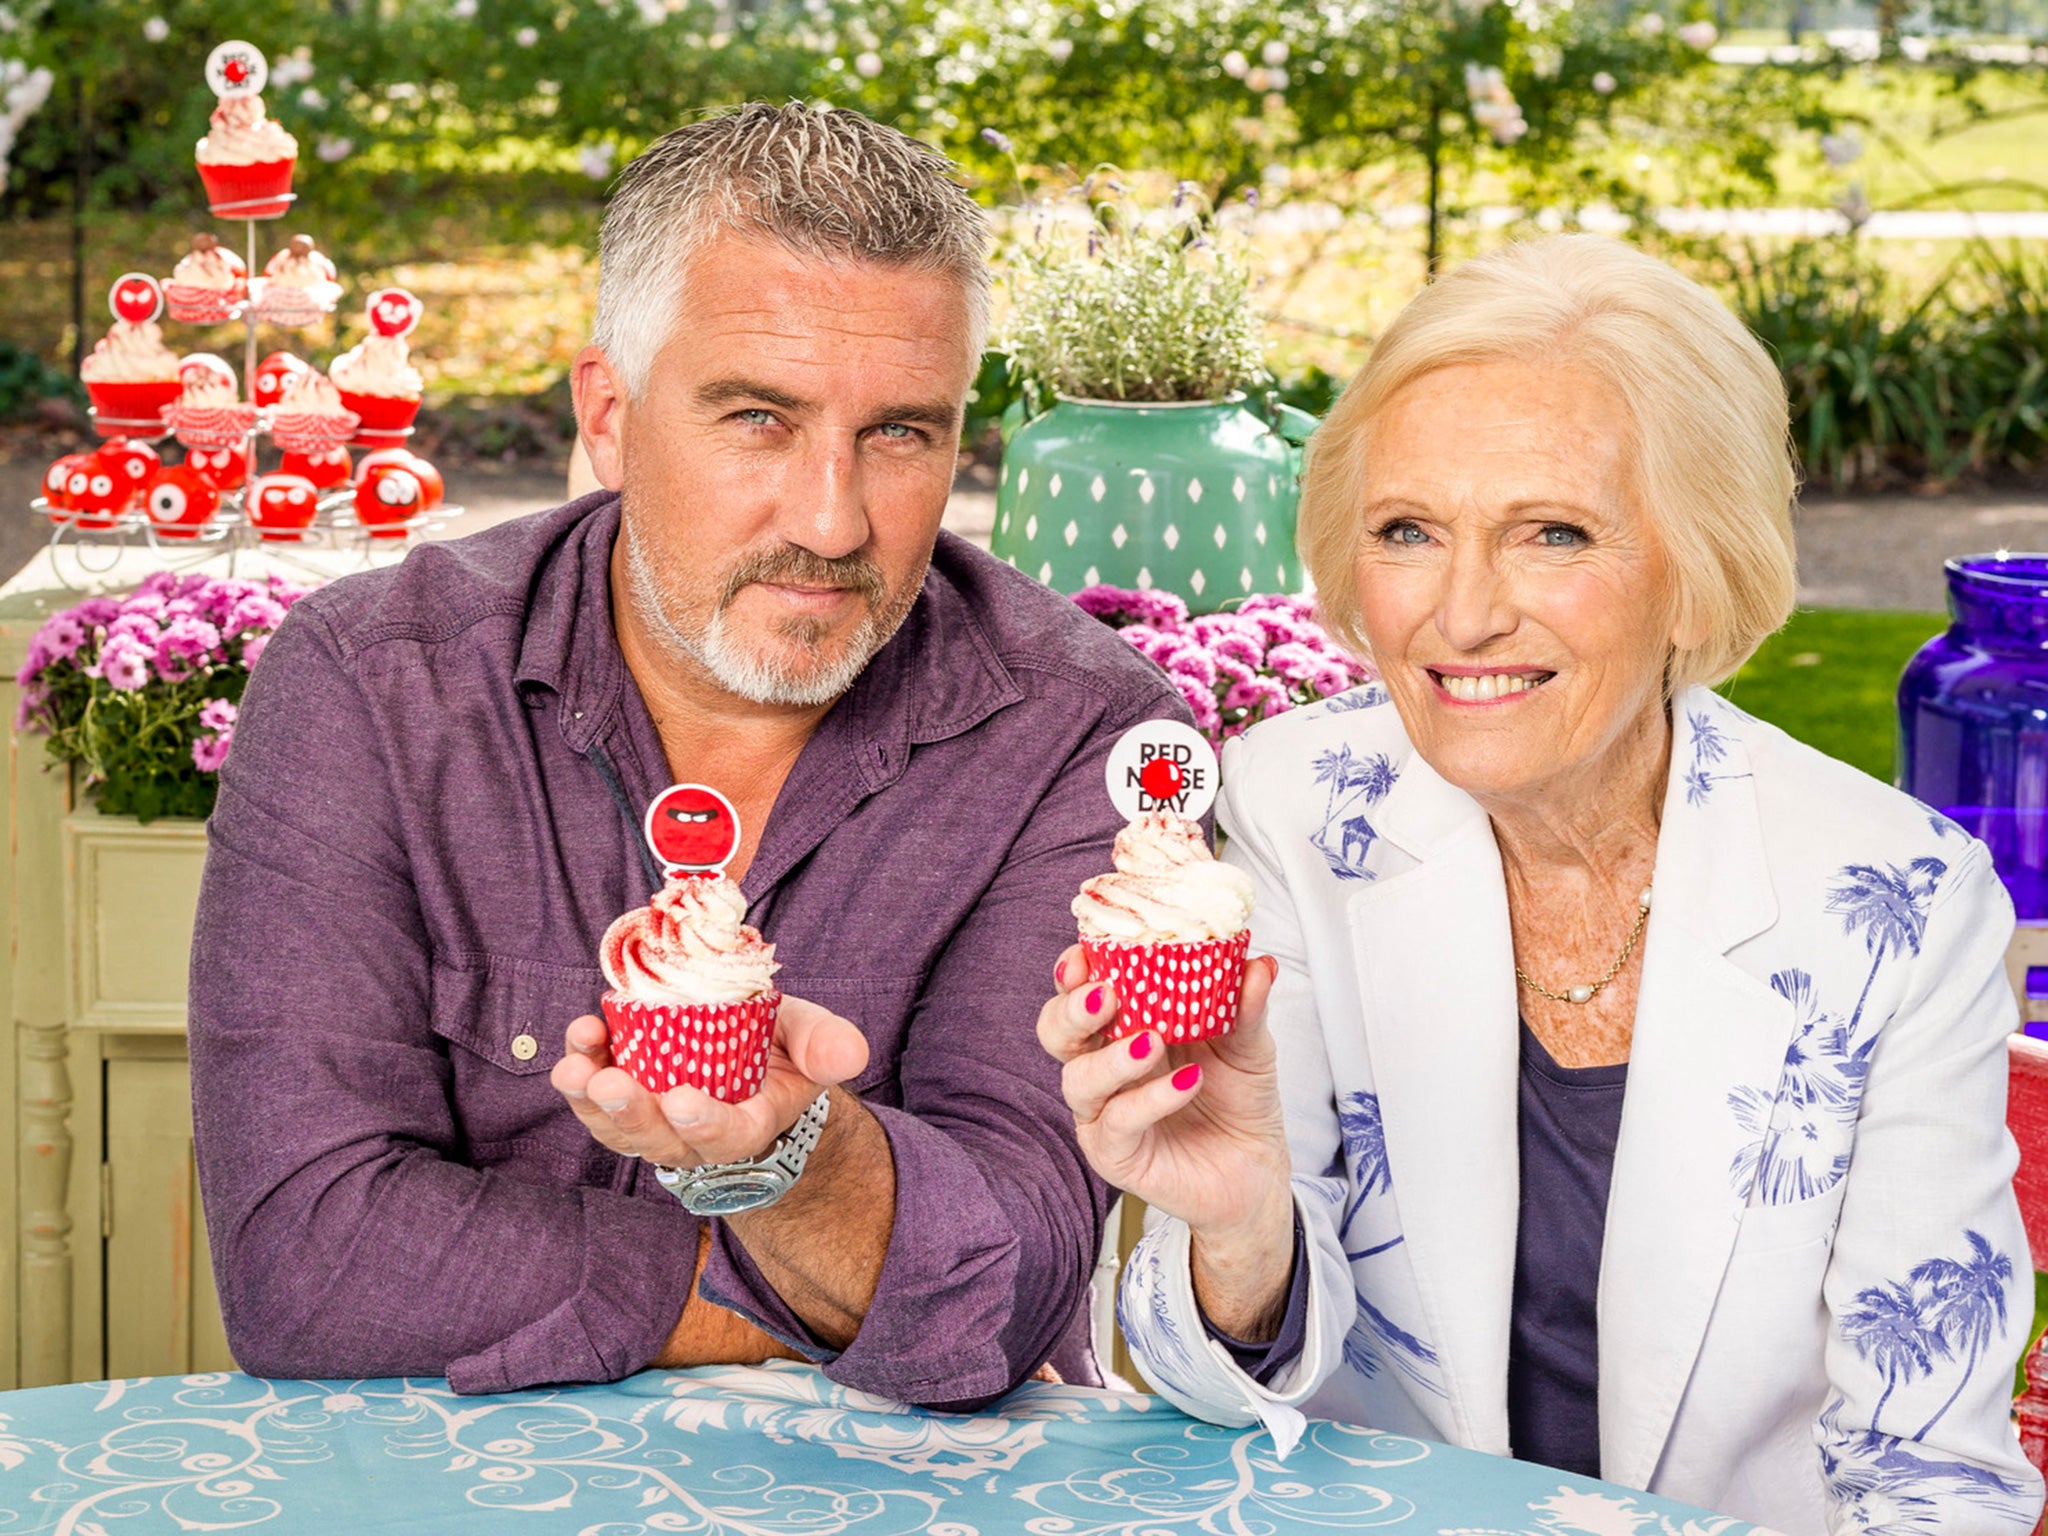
pixel 732 1451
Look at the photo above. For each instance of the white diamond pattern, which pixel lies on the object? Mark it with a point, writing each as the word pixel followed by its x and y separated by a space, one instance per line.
pixel 1099 488
pixel 1073 532
pixel 1280 575
pixel 1045 573
pixel 1222 538
pixel 1031 528
pixel 1244 578
pixel 1237 487
pixel 1195 491
pixel 1052 486
pixel 1144 578
pixel 1005 478
pixel 1118 536
pixel 1093 576
pixel 1260 532
pixel 1197 581
pixel 1170 538
pixel 1023 481
pixel 1145 489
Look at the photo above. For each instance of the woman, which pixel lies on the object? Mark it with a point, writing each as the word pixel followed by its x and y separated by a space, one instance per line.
pixel 1630 1091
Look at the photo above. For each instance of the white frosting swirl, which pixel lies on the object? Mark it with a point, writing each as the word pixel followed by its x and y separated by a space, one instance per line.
pixel 309 391
pixel 240 134
pixel 688 945
pixel 130 354
pixel 1168 888
pixel 378 366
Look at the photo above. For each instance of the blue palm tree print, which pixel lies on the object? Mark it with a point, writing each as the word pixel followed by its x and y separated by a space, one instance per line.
pixel 1375 1338
pixel 1371 696
pixel 1887 1328
pixel 1803 1128
pixel 1355 783
pixel 1365 1145
pixel 1888 906
pixel 1967 1308
pixel 1879 1487
pixel 1709 746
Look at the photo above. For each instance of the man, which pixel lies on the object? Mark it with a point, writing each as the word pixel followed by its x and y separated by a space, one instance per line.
pixel 433 811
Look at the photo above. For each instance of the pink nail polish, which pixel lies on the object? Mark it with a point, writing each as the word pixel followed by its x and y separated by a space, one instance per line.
pixel 1059 973
pixel 1093 1001
pixel 1141 1047
pixel 1186 1078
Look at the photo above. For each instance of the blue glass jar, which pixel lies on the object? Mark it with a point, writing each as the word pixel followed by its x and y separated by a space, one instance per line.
pixel 1973 717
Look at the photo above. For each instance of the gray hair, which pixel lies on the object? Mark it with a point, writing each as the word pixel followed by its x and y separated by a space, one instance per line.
pixel 818 181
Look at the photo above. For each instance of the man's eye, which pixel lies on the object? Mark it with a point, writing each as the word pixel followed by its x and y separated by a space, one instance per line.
pixel 755 417
pixel 897 432
pixel 1562 536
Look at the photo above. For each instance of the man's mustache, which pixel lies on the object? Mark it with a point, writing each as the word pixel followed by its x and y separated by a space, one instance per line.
pixel 794 565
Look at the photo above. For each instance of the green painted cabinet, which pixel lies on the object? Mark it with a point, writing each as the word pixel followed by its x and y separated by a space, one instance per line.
pixel 103 1262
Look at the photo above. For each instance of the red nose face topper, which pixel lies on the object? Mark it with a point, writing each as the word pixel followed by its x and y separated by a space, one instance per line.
pixel 393 311
pixel 274 375
pixel 693 828
pixel 135 297
pixel 180 501
pixel 1162 779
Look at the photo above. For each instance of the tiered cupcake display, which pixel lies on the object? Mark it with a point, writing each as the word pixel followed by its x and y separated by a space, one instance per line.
pixel 141 390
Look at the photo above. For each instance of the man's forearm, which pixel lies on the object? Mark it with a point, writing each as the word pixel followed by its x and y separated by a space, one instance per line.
pixel 822 1245
pixel 708 1334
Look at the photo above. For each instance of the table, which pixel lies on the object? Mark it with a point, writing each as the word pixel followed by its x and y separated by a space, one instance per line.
pixel 739 1451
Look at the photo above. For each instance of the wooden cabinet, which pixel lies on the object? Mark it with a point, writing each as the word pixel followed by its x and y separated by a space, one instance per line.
pixel 103 1267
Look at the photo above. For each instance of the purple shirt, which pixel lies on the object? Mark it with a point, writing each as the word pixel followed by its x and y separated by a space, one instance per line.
pixel 414 855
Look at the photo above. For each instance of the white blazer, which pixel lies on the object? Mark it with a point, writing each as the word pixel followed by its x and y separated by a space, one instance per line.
pixel 1814 1284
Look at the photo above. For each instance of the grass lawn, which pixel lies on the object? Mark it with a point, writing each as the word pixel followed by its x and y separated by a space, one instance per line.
pixel 1831 679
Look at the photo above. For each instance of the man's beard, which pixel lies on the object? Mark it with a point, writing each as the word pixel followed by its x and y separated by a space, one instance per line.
pixel 773 676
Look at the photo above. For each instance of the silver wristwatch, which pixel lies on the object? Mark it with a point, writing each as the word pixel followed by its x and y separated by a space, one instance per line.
pixel 726 1189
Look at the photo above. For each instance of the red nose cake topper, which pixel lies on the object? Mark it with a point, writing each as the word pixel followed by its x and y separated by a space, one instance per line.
pixel 237 68
pixel 1162 765
pixel 135 297
pixel 693 829
pixel 393 312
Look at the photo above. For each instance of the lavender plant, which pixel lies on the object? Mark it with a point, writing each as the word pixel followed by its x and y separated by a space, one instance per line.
pixel 1130 306
pixel 143 691
pixel 1238 667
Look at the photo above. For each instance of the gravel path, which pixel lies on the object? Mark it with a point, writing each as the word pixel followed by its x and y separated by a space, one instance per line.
pixel 1870 552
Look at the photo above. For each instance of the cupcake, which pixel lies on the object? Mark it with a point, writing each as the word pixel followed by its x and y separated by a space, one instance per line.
pixel 379 384
pixel 297 286
pixel 310 417
pixel 246 161
pixel 692 997
pixel 130 377
pixel 207 283
pixel 1167 930
pixel 209 412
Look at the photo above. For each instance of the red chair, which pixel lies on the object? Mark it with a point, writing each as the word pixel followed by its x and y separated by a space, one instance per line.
pixel 2026 1112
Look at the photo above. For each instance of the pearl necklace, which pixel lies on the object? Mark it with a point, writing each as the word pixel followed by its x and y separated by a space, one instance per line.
pixel 1586 991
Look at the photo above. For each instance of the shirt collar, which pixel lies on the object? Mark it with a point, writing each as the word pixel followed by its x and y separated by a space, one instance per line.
pixel 569 646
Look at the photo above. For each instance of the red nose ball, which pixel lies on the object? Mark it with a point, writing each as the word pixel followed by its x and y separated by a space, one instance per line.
pixel 691 827
pixel 274 375
pixel 57 484
pixel 179 501
pixel 282 506
pixel 101 492
pixel 223 468
pixel 135 461
pixel 323 469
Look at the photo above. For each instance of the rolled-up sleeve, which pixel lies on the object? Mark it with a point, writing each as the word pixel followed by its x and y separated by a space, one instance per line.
pixel 348 1237
pixel 998 1219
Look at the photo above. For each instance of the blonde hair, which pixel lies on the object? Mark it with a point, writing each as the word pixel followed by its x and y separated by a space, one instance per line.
pixel 820 181
pixel 1712 456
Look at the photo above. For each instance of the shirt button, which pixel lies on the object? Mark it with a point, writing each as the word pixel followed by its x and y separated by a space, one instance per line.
pixel 525 1047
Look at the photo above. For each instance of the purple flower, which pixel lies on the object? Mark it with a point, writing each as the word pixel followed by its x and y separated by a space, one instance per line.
pixel 217 715
pixel 209 752
pixel 252 647
pixel 149 605
pixel 255 612
pixel 1296 662
pixel 187 645
pixel 141 627
pixel 123 664
pixel 1258 696
pixel 1001 141
pixel 95 611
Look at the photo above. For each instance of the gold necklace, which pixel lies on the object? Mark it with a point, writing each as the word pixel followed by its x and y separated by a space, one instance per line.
pixel 1585 992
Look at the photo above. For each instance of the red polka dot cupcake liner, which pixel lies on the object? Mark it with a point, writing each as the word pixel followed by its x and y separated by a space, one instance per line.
pixel 259 191
pixel 1183 991
pixel 211 426
pixel 722 1049
pixel 312 432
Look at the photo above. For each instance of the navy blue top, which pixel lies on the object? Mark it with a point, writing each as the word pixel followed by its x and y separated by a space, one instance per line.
pixel 1569 1122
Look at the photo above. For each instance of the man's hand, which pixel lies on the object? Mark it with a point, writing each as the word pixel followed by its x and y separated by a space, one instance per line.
pixel 814 1049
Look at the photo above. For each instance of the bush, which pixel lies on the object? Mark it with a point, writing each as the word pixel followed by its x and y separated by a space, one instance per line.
pixel 1887 386
pixel 26 379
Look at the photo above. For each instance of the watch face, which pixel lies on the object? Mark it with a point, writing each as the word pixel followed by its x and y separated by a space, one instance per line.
pixel 727 1194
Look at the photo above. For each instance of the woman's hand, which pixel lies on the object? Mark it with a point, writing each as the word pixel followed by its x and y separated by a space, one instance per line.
pixel 1195 1130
